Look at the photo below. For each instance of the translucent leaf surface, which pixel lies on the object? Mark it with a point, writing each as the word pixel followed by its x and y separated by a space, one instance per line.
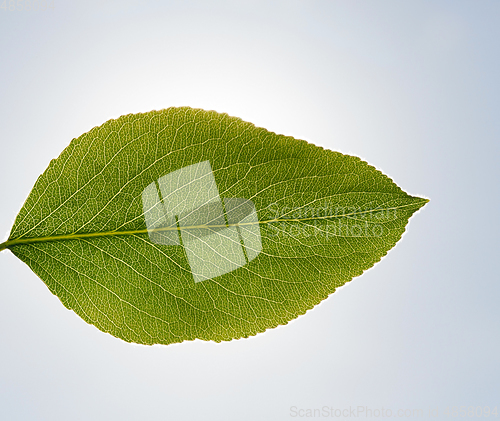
pixel 181 224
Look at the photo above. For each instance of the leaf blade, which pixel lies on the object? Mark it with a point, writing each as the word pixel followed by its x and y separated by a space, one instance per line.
pixel 99 260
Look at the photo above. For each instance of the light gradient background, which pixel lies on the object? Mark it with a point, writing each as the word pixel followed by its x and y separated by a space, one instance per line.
pixel 410 86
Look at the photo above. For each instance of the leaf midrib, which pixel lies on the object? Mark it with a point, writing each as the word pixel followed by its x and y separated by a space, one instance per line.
pixel 10 243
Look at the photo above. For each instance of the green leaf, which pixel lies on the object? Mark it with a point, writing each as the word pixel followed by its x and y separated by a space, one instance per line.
pixel 181 224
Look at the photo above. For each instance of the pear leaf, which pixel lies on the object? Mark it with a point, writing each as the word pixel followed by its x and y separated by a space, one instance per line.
pixel 186 224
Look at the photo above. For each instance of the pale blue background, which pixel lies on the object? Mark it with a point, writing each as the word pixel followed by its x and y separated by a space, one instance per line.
pixel 410 86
